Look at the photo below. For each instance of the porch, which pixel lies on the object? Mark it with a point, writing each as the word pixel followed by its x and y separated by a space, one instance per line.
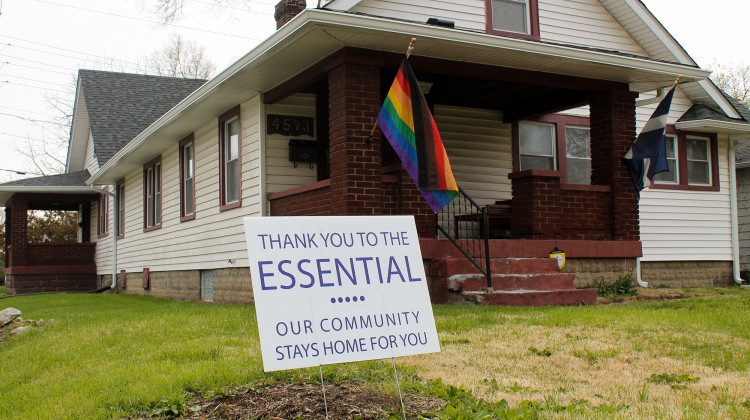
pixel 32 266
pixel 532 204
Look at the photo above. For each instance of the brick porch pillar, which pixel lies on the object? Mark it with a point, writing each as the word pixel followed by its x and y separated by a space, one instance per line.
pixel 16 226
pixel 536 204
pixel 612 117
pixel 355 166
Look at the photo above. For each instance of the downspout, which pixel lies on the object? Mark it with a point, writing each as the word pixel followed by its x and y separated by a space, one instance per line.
pixel 734 144
pixel 638 272
pixel 114 233
pixel 265 205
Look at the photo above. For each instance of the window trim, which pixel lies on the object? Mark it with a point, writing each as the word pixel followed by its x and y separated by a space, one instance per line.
pixel 120 200
pixel 102 216
pixel 187 141
pixel 223 119
pixel 682 170
pixel 152 165
pixel 559 121
pixel 533 22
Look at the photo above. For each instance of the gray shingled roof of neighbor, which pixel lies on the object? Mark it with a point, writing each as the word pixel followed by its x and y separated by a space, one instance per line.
pixel 121 105
pixel 704 112
pixel 73 179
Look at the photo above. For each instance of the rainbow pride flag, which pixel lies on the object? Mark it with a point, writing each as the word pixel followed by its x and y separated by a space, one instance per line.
pixel 408 125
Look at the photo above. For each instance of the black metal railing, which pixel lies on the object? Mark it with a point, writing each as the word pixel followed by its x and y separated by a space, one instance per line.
pixel 464 222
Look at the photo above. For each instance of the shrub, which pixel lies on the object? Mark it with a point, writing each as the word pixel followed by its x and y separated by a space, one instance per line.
pixel 623 286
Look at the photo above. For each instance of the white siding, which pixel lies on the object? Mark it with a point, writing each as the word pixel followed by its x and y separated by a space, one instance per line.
pixel 213 239
pixel 90 163
pixel 103 244
pixel 578 22
pixel 586 23
pixel 686 225
pixel 479 149
pixel 282 175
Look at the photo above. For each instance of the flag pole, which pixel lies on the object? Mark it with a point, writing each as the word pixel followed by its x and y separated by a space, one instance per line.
pixel 408 53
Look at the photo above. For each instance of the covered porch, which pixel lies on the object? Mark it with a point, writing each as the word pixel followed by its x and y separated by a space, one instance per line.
pixel 32 267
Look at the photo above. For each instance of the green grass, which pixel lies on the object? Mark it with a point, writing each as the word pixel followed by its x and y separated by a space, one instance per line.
pixel 115 355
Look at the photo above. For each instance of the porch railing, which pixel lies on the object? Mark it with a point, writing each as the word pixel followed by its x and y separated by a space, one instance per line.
pixel 464 223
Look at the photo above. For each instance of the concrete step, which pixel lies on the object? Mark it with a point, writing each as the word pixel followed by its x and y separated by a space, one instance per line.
pixel 451 266
pixel 544 281
pixel 566 297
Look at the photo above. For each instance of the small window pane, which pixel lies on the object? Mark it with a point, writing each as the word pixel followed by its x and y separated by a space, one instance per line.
pixel 536 139
pixel 510 15
pixel 536 162
pixel 232 140
pixel 189 167
pixel 188 196
pixel 578 142
pixel 579 171
pixel 697 149
pixel 232 186
pixel 671 152
pixel 698 173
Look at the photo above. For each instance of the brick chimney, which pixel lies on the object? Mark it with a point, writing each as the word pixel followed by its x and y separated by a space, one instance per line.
pixel 286 10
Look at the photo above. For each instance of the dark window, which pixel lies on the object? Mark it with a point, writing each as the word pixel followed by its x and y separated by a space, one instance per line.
pixel 152 195
pixel 513 18
pixel 120 221
pixel 187 178
pixel 102 228
pixel 229 159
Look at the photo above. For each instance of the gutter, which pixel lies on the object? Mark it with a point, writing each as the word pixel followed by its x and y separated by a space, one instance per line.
pixel 713 126
pixel 311 19
pixel 735 143
pixel 114 233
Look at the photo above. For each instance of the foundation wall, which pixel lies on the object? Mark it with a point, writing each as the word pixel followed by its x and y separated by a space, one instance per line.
pixel 687 273
pixel 588 270
pixel 229 285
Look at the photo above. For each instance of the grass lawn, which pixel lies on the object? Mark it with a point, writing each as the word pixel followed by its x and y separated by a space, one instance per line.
pixel 117 355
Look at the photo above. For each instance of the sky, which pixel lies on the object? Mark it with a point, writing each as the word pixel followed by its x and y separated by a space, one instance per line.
pixel 44 42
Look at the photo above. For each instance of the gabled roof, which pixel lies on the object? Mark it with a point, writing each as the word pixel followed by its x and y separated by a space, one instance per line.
pixel 122 105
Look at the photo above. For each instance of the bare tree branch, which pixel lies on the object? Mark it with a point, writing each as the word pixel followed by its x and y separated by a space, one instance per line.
pixel 733 78
pixel 180 58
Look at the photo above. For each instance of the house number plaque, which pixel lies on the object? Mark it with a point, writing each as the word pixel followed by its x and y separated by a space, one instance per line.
pixel 288 125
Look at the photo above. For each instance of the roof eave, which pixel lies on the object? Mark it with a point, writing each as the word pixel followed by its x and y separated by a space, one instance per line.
pixel 714 126
pixel 8 191
pixel 326 21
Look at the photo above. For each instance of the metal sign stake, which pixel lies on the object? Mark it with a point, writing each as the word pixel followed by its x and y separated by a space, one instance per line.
pixel 323 387
pixel 398 385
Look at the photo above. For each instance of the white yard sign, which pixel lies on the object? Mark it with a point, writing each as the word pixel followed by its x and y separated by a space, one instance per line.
pixel 338 289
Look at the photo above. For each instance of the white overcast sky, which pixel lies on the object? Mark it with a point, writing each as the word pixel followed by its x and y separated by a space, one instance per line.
pixel 44 42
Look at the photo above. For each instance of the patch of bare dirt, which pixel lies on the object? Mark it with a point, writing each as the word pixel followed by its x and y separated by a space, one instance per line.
pixel 305 401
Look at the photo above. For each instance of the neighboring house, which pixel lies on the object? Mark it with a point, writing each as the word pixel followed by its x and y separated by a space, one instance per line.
pixel 743 204
pixel 536 101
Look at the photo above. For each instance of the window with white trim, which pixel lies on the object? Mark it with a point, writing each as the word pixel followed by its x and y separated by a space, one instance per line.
pixel 698 155
pixel 187 178
pixel 102 226
pixel 578 153
pixel 120 221
pixel 537 144
pixel 672 176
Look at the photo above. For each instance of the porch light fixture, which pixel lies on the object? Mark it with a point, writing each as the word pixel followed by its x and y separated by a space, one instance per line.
pixel 425 86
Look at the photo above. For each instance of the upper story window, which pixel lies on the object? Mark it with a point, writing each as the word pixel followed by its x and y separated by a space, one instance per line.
pixel 152 195
pixel 513 17
pixel 693 162
pixel 556 143
pixel 120 220
pixel 229 156
pixel 187 178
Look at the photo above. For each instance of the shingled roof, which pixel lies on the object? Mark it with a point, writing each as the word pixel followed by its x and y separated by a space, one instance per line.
pixel 121 105
pixel 74 179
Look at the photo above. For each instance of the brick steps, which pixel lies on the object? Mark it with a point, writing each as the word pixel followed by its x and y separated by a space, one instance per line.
pixel 515 282
pixel 563 297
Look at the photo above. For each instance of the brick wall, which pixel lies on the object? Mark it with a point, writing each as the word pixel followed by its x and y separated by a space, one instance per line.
pixel 286 10
pixel 17 232
pixel 354 102
pixel 39 254
pixel 61 282
pixel 314 202
pixel 612 117
pixel 585 215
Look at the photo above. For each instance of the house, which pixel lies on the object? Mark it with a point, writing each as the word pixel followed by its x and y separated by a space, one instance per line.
pixel 537 101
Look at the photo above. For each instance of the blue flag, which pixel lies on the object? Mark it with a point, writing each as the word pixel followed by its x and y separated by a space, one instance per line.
pixel 647 156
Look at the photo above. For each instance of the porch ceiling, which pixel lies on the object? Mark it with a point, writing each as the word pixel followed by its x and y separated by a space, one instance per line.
pixel 315 34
